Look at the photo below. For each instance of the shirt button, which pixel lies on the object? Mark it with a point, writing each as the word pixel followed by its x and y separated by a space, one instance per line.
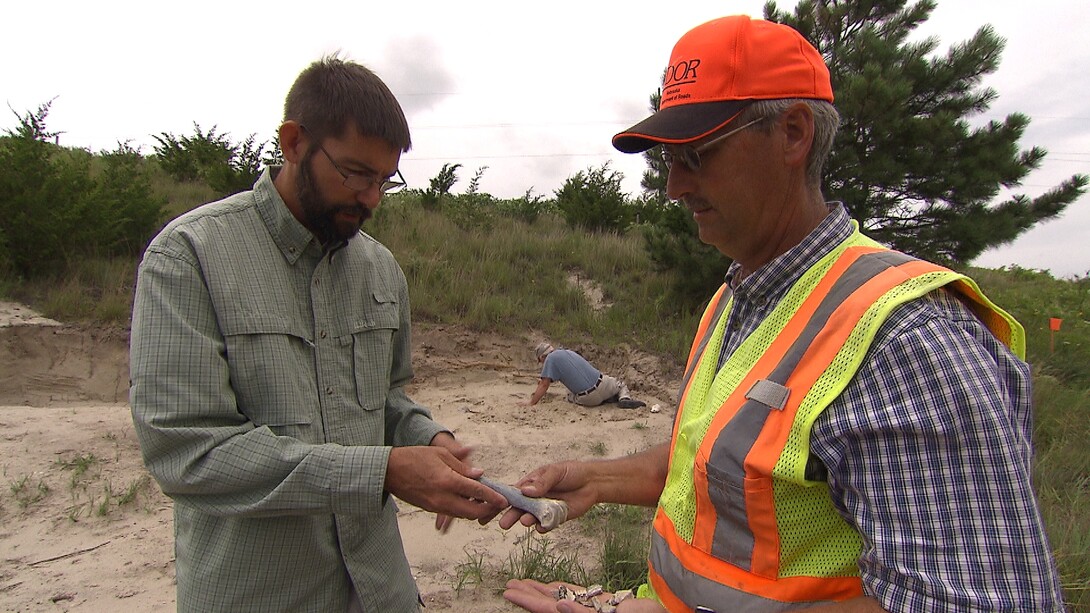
pixel 329 391
pixel 322 334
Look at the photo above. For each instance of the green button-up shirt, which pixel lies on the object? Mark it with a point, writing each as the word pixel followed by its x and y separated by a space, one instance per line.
pixel 267 391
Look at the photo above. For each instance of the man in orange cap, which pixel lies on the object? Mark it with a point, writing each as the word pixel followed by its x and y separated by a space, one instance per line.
pixel 854 424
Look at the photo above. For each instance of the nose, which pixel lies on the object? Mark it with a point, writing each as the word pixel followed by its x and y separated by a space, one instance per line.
pixel 370 197
pixel 679 182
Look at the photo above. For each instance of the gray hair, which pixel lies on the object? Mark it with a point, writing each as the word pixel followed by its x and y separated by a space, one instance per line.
pixel 826 123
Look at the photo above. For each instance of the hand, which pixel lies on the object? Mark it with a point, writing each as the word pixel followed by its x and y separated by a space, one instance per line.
pixel 447 441
pixel 567 481
pixel 435 479
pixel 538 597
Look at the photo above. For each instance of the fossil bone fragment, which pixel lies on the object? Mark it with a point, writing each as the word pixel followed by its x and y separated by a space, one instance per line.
pixel 550 513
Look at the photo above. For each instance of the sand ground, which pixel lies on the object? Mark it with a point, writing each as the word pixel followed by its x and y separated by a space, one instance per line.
pixel 84 528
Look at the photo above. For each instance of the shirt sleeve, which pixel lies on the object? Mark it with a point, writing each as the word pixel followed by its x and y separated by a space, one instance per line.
pixel 929 455
pixel 195 441
pixel 407 423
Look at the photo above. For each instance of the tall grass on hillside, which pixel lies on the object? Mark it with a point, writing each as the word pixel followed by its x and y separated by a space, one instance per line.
pixel 180 196
pixel 1061 367
pixel 1035 298
pixel 1062 478
pixel 96 289
pixel 511 275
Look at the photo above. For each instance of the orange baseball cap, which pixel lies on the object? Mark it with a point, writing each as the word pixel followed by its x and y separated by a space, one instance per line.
pixel 719 68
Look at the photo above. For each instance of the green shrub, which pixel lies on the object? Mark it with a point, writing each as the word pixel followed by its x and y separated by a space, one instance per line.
pixel 439 186
pixel 528 208
pixel 593 200
pixel 213 159
pixel 59 205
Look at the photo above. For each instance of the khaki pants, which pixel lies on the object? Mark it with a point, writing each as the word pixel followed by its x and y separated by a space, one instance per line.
pixel 607 388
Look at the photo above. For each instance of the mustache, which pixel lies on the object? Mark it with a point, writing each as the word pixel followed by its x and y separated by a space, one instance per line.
pixel 695 204
pixel 353 209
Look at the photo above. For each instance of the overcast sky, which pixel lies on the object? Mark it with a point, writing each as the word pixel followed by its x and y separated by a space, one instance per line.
pixel 534 91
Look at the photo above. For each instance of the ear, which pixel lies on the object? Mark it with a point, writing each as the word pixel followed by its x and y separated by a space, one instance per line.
pixel 293 141
pixel 798 127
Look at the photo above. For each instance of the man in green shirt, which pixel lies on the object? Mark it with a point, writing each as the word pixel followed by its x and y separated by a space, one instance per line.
pixel 269 354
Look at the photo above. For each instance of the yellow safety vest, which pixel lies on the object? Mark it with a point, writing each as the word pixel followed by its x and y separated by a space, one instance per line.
pixel 739 526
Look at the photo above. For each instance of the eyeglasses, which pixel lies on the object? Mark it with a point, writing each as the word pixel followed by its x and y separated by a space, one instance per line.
pixel 690 156
pixel 361 183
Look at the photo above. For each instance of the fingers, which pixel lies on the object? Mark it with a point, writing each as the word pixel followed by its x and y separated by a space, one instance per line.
pixel 540 597
pixel 462 453
pixel 533 596
pixel 468 486
pixel 433 479
pixel 492 515
pixel 514 516
pixel 471 499
pixel 511 517
pixel 531 585
pixel 540 481
pixel 443 522
pixel 458 464
pixel 447 441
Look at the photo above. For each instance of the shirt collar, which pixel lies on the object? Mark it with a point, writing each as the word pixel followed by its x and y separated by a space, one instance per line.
pixel 775 277
pixel 290 236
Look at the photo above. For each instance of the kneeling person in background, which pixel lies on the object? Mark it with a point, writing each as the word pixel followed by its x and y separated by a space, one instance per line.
pixel 587 386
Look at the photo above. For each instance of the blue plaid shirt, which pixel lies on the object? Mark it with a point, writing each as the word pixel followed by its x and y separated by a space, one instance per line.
pixel 928 451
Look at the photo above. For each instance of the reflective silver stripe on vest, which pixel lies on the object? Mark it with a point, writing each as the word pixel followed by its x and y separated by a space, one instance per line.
pixel 769 393
pixel 733 541
pixel 696 590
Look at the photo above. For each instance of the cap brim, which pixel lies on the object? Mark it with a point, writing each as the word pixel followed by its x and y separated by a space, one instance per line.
pixel 679 124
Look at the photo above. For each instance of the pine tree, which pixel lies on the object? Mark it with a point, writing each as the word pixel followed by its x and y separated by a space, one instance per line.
pixel 907 162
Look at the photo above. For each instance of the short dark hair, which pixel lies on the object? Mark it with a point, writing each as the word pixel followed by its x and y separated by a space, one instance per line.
pixel 332 93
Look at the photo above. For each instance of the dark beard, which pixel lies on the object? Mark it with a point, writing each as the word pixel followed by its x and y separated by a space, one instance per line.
pixel 320 216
